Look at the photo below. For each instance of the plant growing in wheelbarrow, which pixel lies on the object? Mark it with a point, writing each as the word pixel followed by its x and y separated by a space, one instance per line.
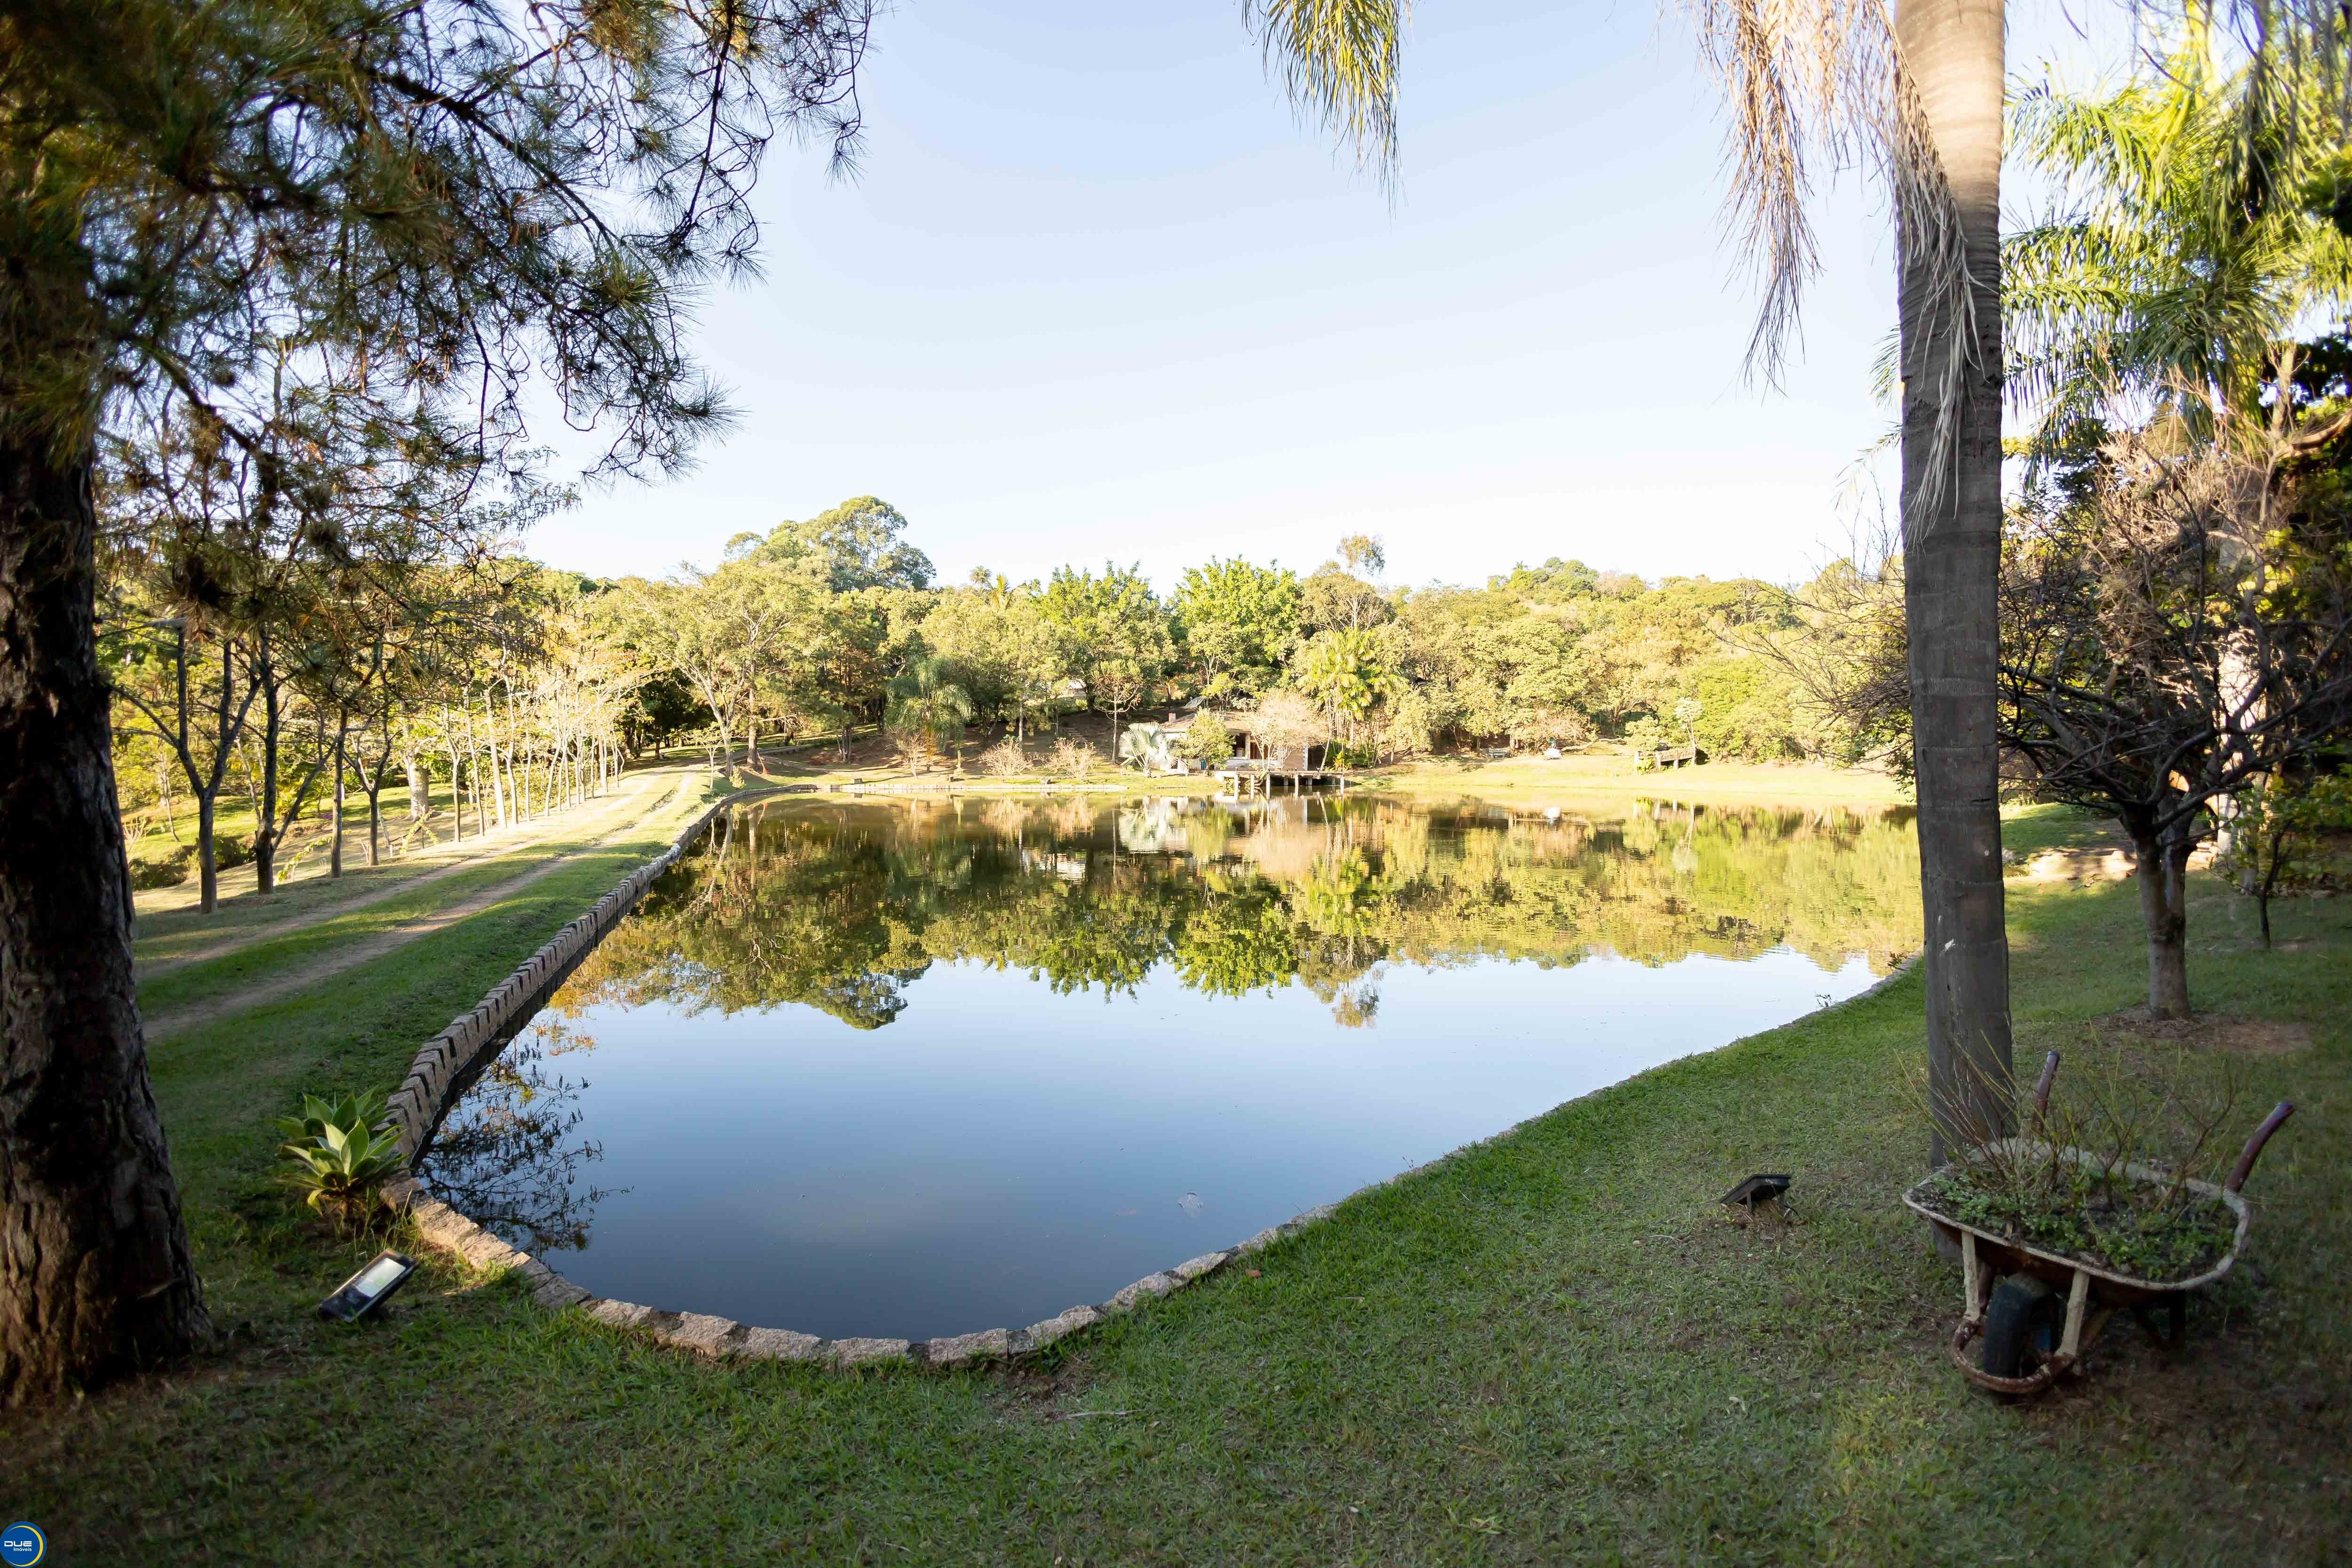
pixel 2118 1199
pixel 339 1152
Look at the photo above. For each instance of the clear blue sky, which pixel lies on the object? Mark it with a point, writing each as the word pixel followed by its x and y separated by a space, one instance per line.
pixel 1094 293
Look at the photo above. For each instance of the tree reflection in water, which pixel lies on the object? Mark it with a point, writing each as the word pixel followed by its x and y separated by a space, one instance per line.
pixel 843 907
pixel 506 1156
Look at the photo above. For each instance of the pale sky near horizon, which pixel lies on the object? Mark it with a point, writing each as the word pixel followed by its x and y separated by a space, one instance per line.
pixel 1094 293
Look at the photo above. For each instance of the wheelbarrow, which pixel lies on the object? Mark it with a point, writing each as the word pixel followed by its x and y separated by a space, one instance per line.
pixel 2011 1318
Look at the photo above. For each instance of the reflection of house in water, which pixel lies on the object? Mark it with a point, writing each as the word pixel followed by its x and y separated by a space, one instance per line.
pixel 1157 825
pixel 1055 862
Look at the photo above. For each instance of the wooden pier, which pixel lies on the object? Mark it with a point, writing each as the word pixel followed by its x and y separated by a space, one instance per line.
pixel 1255 781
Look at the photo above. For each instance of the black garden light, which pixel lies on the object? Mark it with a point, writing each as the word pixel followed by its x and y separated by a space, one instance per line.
pixel 1760 1189
pixel 364 1292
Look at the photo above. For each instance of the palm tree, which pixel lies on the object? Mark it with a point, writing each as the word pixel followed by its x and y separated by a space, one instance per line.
pixel 927 708
pixel 1920 94
pixel 1348 672
pixel 2185 259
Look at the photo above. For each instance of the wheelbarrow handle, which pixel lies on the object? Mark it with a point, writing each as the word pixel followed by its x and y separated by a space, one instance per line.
pixel 2270 1124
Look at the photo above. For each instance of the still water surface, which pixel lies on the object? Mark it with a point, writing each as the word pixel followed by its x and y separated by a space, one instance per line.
pixel 917 1069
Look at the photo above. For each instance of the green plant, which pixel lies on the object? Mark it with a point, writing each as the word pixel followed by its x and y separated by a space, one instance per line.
pixel 1206 740
pixel 2288 837
pixel 341 1150
pixel 168 872
pixel 1645 735
pixel 2112 1170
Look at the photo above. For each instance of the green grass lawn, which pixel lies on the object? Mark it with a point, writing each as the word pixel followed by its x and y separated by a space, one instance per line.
pixel 272 957
pixel 1549 1349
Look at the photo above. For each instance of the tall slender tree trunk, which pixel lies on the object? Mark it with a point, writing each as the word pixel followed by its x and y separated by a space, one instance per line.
pixel 335 843
pixel 265 799
pixel 456 793
pixel 95 1273
pixel 207 860
pixel 1951 551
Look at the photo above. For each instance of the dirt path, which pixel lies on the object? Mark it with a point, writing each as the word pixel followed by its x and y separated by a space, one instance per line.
pixel 627 806
pixel 351 955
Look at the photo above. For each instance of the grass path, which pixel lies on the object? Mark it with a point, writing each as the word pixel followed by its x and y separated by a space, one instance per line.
pixel 1548 1350
pixel 176 944
pixel 296 957
pixel 623 819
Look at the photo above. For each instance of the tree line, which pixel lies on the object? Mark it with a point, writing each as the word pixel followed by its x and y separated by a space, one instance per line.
pixel 518 688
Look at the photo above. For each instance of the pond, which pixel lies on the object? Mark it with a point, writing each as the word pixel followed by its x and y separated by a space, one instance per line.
pixel 912 1070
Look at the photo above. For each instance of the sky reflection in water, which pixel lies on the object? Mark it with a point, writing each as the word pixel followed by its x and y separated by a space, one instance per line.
pixel 918 1069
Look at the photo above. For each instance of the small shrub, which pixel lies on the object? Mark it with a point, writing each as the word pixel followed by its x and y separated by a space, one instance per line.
pixel 2289 837
pixel 168 872
pixel 1206 740
pixel 1645 734
pixel 1071 759
pixel 229 853
pixel 1004 759
pixel 341 1152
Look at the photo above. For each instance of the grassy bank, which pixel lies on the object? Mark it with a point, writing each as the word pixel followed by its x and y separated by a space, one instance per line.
pixel 1547 1350
pixel 1604 773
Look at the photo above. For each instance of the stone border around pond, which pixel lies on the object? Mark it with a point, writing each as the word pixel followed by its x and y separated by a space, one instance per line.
pixel 416 1108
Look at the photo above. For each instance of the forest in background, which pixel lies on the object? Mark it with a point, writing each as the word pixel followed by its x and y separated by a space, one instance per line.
pixel 529 687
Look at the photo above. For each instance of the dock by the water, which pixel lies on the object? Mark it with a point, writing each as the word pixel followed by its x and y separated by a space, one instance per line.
pixel 1253 781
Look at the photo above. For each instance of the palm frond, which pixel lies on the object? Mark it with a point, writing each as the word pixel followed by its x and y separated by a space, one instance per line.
pixel 1338 61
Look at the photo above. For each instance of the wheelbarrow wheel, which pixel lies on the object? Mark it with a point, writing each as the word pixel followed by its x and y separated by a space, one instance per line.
pixel 2022 1323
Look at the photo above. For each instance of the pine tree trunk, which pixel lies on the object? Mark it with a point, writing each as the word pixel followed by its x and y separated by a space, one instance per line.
pixel 95 1274
pixel 1951 533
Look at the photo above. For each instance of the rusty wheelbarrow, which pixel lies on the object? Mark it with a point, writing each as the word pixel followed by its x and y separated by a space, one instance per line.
pixel 2013 1318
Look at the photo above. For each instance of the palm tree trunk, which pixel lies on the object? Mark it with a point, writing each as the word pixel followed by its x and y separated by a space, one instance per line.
pixel 95 1274
pixel 1951 531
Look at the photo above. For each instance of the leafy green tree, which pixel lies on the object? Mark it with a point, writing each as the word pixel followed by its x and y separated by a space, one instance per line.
pixel 857 544
pixel 1206 740
pixel 999 637
pixel 2287 836
pixel 1236 623
pixel 1688 710
pixel 728 635
pixel 1748 708
pixel 1115 635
